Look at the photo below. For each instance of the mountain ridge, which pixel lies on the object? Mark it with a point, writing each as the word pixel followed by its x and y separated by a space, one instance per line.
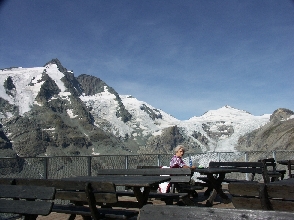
pixel 48 111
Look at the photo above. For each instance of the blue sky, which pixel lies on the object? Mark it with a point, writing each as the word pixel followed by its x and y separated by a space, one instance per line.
pixel 184 57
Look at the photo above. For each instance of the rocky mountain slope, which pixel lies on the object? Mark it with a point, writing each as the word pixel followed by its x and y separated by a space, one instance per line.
pixel 48 111
pixel 278 134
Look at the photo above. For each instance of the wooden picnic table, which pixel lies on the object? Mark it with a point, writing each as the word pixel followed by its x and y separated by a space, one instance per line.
pixel 180 179
pixel 216 176
pixel 137 182
pixel 290 166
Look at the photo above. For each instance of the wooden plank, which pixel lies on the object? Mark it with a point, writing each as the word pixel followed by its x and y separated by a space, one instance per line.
pixel 179 212
pixel 124 204
pixel 282 205
pixel 132 181
pixel 236 164
pixel 151 171
pixel 154 195
pixel 246 203
pixel 7 181
pixel 25 207
pixel 81 196
pixel 280 191
pixel 67 184
pixel 250 170
pixel 27 192
pixel 244 188
pixel 243 167
pixel 180 179
pixel 149 167
pixel 85 211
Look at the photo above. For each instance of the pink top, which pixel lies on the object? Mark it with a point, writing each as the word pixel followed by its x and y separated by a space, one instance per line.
pixel 177 162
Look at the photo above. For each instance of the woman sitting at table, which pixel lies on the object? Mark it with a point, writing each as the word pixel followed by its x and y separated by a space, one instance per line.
pixel 177 161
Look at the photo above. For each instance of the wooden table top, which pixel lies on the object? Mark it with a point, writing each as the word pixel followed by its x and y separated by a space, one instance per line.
pixel 149 171
pixel 285 162
pixel 215 170
pixel 131 181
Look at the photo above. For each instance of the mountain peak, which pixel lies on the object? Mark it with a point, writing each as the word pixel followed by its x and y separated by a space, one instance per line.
pixel 281 114
pixel 58 64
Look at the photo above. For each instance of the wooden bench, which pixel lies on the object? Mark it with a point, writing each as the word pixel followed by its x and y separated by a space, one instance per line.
pixel 177 175
pixel 29 201
pixel 272 171
pixel 175 212
pixel 277 195
pixel 290 166
pixel 80 193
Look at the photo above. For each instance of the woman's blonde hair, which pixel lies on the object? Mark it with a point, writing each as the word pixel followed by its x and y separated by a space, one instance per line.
pixel 179 147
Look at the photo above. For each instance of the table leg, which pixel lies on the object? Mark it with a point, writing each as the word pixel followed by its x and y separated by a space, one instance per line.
pixel 209 201
pixel 217 186
pixel 142 197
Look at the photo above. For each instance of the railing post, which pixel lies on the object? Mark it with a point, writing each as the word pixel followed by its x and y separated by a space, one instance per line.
pixel 126 161
pixel 274 155
pixel 89 166
pixel 246 160
pixel 158 160
pixel 218 156
pixel 46 167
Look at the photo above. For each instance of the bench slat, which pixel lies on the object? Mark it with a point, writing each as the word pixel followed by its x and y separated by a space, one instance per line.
pixel 67 184
pixel 246 203
pixel 281 191
pixel 282 205
pixel 244 188
pixel 236 164
pixel 29 200
pixel 81 196
pixel 25 207
pixel 155 195
pixel 27 192
pixel 85 211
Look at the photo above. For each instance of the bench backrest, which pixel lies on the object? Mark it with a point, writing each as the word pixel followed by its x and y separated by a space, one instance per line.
pixel 26 200
pixel 270 196
pixel 290 168
pixel 246 195
pixel 104 192
pixel 180 175
pixel 270 164
pixel 244 167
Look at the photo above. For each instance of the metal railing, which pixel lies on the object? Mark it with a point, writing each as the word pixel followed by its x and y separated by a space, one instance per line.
pixel 66 166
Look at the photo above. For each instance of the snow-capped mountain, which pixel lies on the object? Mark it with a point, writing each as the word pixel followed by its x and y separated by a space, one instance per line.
pixel 48 111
